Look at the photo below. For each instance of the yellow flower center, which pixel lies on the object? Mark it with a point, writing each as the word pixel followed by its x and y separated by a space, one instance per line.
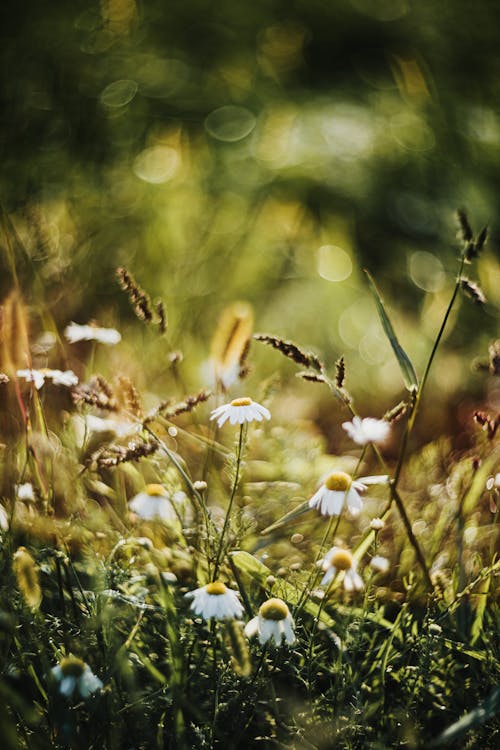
pixel 341 559
pixel 338 481
pixel 244 401
pixel 274 609
pixel 217 588
pixel 155 490
pixel 72 666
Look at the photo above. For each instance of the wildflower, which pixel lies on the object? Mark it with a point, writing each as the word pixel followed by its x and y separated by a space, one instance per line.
pixel 367 430
pixel 240 410
pixel 493 483
pixel 377 524
pixel 4 519
pixel 58 377
pixel 25 491
pixel 379 564
pixel 273 623
pixel 339 488
pixel 75 332
pixel 215 600
pixel 339 559
pixel 153 502
pixel 73 675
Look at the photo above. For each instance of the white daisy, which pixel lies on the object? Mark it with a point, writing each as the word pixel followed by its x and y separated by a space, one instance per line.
pixel 76 332
pixel 367 430
pixel 153 502
pixel 215 600
pixel 240 410
pixel 58 377
pixel 274 623
pixel 379 564
pixel 338 559
pixel 339 488
pixel 74 676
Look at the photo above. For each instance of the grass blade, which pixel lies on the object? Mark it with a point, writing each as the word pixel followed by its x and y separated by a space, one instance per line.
pixel 409 375
pixel 474 718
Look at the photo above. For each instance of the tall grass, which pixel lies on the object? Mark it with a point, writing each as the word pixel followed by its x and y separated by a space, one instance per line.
pixel 117 506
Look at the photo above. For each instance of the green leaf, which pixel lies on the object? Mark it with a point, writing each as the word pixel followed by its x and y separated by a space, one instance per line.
pixel 409 374
pixel 481 597
pixel 480 715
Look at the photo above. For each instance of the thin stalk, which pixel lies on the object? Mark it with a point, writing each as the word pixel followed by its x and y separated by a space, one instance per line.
pixel 311 581
pixel 239 452
pixel 436 343
pixel 213 632
pixel 395 496
pixel 194 492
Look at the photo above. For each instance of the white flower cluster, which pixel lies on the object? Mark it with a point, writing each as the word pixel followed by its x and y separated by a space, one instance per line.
pixel 273 624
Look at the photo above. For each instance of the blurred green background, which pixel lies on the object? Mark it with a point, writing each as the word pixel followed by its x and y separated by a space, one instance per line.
pixel 259 151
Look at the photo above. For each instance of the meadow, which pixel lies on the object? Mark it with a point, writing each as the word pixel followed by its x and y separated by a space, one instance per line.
pixel 204 570
pixel 249 375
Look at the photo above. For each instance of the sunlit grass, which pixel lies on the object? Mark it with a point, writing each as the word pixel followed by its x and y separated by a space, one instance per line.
pixel 143 524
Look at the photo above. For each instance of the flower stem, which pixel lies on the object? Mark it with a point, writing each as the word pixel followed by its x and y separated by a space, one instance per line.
pixel 239 452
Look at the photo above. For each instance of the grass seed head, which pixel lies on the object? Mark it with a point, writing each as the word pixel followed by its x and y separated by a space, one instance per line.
pixel 28 581
pixel 15 350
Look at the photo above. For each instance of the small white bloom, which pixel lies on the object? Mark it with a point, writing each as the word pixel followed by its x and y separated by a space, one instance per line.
pixel 25 491
pixel 58 377
pixel 339 488
pixel 377 524
pixel 215 600
pixel 240 410
pixel 367 430
pixel 4 519
pixel 338 559
pixel 380 564
pixel 74 676
pixel 76 332
pixel 273 624
pixel 67 378
pixel 153 502
pixel 493 483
